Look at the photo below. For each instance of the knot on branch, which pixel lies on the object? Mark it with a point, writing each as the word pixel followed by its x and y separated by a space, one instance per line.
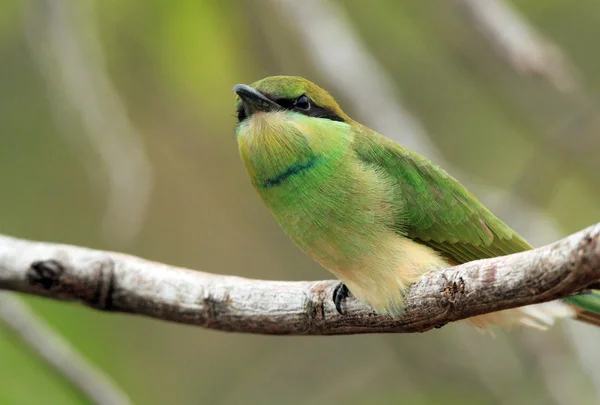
pixel 454 289
pixel 95 288
pixel 45 274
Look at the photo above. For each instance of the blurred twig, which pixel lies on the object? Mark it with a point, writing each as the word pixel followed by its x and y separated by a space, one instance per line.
pixel 121 283
pixel 58 353
pixel 515 40
pixel 585 342
pixel 340 56
pixel 524 48
pixel 63 39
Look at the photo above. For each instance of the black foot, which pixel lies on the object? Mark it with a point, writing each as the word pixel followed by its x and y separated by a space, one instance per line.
pixel 340 293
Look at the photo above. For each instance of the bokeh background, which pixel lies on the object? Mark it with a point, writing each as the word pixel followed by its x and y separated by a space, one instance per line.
pixel 117 132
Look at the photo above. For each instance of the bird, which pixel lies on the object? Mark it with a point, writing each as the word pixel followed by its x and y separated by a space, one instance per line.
pixel 375 214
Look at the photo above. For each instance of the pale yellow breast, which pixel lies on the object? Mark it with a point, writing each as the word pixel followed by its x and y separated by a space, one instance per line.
pixel 382 278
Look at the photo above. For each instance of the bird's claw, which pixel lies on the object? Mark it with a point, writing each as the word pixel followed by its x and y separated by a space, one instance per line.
pixel 340 293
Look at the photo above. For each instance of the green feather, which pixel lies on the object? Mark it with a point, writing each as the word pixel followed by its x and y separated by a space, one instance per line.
pixel 589 301
pixel 356 201
pixel 438 211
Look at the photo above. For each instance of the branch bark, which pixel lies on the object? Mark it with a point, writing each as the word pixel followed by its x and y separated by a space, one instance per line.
pixel 122 283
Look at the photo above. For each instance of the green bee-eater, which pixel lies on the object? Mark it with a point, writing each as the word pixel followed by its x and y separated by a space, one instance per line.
pixel 375 214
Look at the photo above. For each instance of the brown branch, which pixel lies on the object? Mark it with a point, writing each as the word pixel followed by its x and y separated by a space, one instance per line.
pixel 121 283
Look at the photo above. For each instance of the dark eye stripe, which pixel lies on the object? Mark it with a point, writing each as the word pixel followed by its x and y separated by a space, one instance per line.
pixel 285 103
pixel 314 110
pixel 241 113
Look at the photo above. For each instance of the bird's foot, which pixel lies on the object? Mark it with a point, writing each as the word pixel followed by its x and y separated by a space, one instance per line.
pixel 340 293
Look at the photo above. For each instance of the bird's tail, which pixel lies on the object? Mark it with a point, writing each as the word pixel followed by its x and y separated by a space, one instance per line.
pixel 538 316
pixel 586 306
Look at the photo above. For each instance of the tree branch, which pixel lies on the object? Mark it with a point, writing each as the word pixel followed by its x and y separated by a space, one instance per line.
pixel 122 283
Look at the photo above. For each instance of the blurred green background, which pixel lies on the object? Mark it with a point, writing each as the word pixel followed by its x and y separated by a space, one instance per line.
pixel 117 132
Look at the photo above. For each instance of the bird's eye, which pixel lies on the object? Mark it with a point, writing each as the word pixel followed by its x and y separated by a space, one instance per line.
pixel 302 103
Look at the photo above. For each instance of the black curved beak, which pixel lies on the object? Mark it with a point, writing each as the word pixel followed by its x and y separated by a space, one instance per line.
pixel 254 101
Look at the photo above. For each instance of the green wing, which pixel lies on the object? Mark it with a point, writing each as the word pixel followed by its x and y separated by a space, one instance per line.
pixel 589 301
pixel 437 210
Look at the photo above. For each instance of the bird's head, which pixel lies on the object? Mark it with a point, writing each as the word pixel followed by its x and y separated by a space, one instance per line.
pixel 286 93
pixel 286 121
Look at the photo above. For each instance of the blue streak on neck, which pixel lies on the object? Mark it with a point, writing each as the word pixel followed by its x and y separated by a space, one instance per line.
pixel 292 170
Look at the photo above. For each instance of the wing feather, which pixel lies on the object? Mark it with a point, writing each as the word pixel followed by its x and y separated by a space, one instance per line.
pixel 436 209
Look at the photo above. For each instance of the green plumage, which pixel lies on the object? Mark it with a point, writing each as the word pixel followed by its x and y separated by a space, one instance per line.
pixel 589 301
pixel 375 214
pixel 438 210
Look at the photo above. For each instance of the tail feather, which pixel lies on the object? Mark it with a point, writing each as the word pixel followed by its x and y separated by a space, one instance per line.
pixel 539 316
pixel 588 301
pixel 586 306
pixel 587 317
pixel 542 316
